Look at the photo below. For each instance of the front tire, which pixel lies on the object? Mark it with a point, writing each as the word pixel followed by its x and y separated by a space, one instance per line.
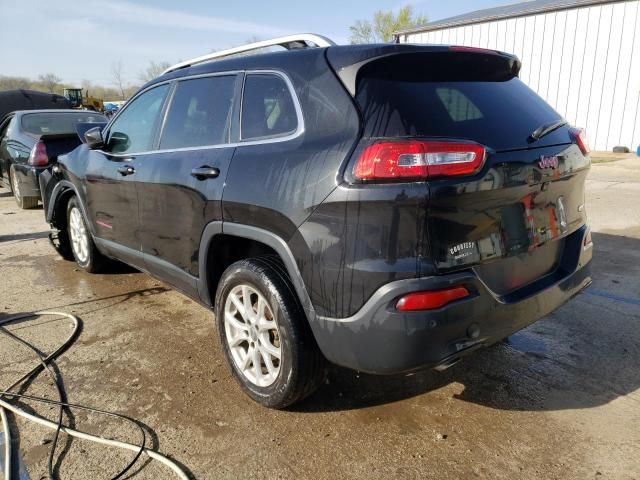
pixel 264 333
pixel 22 201
pixel 83 248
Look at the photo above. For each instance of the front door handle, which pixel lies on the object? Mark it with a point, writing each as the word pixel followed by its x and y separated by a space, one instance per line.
pixel 128 170
pixel 205 172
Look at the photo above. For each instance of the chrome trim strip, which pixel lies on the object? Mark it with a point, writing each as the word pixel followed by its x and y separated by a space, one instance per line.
pixel 276 139
pixel 285 42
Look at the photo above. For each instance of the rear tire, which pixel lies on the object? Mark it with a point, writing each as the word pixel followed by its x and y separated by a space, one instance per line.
pixel 271 351
pixel 22 201
pixel 83 248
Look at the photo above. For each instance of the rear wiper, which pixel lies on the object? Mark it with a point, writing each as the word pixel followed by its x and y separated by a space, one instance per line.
pixel 545 129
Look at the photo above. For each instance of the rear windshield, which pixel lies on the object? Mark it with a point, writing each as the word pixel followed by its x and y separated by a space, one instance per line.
pixel 401 98
pixel 58 123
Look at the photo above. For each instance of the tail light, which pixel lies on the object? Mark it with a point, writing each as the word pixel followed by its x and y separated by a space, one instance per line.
pixel 580 137
pixel 38 156
pixel 430 300
pixel 418 159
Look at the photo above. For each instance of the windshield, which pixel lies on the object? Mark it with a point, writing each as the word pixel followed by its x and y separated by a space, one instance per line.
pixel 58 122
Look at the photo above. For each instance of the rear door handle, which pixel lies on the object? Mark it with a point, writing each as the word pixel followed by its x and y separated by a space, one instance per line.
pixel 128 170
pixel 202 173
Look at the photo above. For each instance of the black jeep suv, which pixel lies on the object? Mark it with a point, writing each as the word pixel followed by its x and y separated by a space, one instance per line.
pixel 384 207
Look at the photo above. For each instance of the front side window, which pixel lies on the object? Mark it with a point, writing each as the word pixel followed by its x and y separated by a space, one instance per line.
pixel 200 113
pixel 267 107
pixel 133 130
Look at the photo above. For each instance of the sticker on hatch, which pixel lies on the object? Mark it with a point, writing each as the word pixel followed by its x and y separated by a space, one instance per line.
pixel 463 250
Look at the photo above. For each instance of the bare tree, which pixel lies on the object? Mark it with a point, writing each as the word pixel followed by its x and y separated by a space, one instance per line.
pixel 11 83
pixel 118 77
pixel 384 24
pixel 153 70
pixel 50 81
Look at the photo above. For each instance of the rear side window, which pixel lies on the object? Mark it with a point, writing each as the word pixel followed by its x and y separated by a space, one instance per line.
pixel 267 107
pixel 435 96
pixel 58 123
pixel 200 113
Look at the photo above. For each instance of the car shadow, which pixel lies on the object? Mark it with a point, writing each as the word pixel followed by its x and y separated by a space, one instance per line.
pixel 23 236
pixel 583 355
pixel 114 267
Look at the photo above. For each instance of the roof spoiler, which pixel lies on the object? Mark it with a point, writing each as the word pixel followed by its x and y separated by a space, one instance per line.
pixel 348 63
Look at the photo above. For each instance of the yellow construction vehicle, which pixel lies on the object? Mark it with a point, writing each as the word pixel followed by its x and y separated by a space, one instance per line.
pixel 74 95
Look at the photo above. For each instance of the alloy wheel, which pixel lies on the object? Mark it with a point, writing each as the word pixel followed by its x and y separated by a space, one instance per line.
pixel 252 335
pixel 79 235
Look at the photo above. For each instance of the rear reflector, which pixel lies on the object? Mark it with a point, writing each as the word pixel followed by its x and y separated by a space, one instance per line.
pixel 430 300
pixel 418 159
pixel 580 137
pixel 38 156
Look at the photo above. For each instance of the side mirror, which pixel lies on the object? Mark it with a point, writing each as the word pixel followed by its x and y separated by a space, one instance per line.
pixel 119 142
pixel 93 138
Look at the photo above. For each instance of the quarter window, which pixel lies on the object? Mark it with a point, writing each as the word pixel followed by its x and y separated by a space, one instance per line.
pixel 200 113
pixel 267 107
pixel 134 129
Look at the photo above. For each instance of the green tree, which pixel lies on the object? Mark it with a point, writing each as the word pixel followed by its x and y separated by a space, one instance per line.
pixel 384 24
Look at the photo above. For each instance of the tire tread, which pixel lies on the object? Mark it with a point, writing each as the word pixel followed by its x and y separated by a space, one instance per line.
pixel 310 369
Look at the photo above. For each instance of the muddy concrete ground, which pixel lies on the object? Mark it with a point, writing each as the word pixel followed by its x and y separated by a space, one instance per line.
pixel 559 400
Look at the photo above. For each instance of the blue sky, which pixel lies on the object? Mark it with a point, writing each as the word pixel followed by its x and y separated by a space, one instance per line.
pixel 81 39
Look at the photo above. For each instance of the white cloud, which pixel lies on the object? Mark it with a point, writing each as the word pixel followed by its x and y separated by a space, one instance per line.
pixel 129 12
pixel 79 39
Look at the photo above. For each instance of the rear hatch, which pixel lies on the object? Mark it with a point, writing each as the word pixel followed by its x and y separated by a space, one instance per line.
pixel 509 218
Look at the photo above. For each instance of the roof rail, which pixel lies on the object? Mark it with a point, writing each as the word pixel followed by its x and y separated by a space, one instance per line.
pixel 290 42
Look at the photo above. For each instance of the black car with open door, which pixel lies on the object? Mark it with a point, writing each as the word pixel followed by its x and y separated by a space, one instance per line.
pixel 30 141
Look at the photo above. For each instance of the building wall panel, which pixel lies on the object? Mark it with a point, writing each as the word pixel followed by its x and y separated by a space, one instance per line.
pixel 584 61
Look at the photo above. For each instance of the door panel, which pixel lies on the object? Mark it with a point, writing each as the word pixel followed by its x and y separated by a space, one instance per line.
pixel 175 206
pixel 111 194
pixel 180 185
pixel 112 200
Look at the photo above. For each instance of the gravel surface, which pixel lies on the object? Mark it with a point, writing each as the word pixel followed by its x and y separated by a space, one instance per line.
pixel 557 400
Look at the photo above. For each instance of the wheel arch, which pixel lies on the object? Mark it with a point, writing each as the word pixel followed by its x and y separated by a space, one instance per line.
pixel 218 233
pixel 56 213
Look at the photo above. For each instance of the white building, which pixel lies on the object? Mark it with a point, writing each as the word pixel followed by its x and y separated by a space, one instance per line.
pixel 581 56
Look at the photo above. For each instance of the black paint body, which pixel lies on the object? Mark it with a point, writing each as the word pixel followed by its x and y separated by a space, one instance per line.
pixel 351 249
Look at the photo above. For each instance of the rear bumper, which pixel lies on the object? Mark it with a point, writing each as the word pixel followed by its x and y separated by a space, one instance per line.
pixel 28 178
pixel 379 339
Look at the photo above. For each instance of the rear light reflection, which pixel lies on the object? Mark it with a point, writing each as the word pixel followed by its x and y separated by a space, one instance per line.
pixel 587 238
pixel 418 159
pixel 429 300
pixel 460 48
pixel 38 156
pixel 579 136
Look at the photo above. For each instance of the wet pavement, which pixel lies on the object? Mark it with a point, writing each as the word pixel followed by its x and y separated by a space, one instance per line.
pixel 558 400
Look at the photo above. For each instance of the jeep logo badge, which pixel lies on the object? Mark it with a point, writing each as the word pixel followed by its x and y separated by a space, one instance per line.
pixel 548 162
